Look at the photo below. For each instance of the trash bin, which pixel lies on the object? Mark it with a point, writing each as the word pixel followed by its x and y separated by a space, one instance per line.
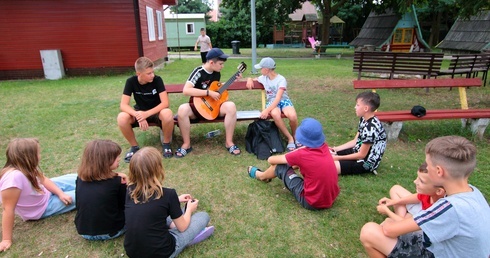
pixel 235 45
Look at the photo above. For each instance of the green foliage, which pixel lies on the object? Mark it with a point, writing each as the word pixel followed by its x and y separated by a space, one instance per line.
pixel 191 6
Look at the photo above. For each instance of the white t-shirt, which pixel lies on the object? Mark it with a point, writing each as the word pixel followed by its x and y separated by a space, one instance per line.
pixel 203 42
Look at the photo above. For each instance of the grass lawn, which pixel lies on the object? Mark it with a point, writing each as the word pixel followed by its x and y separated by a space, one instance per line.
pixel 252 219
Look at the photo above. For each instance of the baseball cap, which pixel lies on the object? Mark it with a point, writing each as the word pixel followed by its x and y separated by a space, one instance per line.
pixel 266 62
pixel 216 52
pixel 310 133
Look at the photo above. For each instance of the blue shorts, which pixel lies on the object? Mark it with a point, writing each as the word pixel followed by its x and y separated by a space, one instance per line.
pixel 411 245
pixel 282 104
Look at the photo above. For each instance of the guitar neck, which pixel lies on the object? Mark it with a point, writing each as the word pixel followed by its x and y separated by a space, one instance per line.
pixel 228 83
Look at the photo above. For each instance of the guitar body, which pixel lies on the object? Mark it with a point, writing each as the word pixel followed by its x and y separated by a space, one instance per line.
pixel 207 107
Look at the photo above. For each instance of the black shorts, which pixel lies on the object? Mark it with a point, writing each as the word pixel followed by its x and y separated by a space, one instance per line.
pixel 154 119
pixel 351 167
pixel 411 245
pixel 203 57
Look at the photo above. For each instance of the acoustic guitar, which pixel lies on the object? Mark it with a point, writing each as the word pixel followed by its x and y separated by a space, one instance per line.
pixel 208 108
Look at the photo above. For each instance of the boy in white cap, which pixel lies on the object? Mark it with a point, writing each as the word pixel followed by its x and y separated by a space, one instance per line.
pixel 319 187
pixel 197 85
pixel 277 99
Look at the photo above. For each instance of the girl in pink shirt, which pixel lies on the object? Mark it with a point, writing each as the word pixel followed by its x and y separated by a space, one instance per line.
pixel 27 192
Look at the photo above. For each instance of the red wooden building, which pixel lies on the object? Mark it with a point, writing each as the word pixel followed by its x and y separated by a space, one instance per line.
pixel 94 36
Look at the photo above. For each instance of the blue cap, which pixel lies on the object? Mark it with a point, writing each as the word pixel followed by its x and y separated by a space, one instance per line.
pixel 310 133
pixel 216 52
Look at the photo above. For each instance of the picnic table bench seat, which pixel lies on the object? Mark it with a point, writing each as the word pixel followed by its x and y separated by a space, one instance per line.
pixel 468 65
pixel 393 120
pixel 389 65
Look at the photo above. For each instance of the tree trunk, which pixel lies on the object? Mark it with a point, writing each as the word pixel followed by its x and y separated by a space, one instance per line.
pixel 435 29
pixel 326 28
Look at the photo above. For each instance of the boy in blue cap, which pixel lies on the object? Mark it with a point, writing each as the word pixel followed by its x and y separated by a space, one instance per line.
pixel 319 187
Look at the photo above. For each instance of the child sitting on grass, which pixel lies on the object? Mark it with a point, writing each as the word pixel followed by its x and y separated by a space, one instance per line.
pixel 457 225
pixel 149 205
pixel 363 153
pixel 407 204
pixel 318 188
pixel 101 192
pixel 27 192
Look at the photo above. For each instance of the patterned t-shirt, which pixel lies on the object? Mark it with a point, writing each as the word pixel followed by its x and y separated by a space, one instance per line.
pixel 202 79
pixel 371 131
pixel 272 87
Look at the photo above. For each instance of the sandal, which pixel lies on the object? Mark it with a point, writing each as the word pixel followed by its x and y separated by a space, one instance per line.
pixel 298 144
pixel 203 235
pixel 181 152
pixel 290 147
pixel 130 153
pixel 251 173
pixel 167 150
pixel 232 150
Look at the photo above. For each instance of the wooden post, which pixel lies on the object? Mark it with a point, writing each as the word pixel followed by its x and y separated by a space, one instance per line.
pixel 462 98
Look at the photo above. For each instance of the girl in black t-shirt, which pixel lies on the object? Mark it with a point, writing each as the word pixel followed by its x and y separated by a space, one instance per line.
pixel 156 225
pixel 100 192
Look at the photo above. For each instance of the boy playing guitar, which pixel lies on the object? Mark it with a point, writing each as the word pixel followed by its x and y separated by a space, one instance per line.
pixel 199 85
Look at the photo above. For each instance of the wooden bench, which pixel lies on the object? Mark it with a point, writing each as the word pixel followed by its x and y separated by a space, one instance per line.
pixel 389 65
pixel 468 65
pixel 393 120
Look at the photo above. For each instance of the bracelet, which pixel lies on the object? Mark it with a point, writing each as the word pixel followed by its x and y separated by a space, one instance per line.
pixel 207 92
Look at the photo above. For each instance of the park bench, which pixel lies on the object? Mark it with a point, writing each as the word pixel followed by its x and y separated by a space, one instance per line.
pixel 393 120
pixel 468 65
pixel 390 65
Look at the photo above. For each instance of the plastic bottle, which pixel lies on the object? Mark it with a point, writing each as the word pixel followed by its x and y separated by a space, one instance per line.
pixel 213 133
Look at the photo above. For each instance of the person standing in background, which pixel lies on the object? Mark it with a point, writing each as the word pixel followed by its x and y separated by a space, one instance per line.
pixel 204 43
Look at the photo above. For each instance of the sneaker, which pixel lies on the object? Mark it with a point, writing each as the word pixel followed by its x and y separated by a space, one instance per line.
pixel 203 235
pixel 130 153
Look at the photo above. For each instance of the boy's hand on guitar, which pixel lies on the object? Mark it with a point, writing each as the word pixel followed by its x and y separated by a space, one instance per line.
pixel 214 94
pixel 238 77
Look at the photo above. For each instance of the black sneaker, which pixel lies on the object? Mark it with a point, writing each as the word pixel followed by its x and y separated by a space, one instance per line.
pixel 130 153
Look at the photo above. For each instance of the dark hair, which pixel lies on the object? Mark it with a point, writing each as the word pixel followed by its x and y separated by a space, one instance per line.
pixel 423 168
pixel 369 98
pixel 203 29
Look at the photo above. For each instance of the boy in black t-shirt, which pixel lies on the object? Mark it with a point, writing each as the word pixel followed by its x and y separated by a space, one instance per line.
pixel 363 153
pixel 152 107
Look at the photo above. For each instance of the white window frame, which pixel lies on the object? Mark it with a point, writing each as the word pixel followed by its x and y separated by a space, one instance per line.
pixel 160 25
pixel 192 26
pixel 151 23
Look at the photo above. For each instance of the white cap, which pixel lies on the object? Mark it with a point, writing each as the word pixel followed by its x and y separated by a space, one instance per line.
pixel 266 62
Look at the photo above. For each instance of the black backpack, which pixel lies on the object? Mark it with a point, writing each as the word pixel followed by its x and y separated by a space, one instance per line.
pixel 263 139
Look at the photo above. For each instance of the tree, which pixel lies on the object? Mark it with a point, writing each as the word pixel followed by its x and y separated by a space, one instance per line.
pixel 191 6
pixel 267 12
pixel 327 9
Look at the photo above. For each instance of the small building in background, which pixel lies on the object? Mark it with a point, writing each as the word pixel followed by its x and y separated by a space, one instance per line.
pixel 183 30
pixel 92 37
pixel 388 32
pixel 468 35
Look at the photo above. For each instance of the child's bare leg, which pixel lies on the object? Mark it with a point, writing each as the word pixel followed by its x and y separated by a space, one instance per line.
pixel 290 113
pixel 276 115
pixel 270 173
pixel 397 192
pixel 375 242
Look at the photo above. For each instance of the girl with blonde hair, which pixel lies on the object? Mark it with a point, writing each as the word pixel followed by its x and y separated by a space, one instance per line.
pixel 149 205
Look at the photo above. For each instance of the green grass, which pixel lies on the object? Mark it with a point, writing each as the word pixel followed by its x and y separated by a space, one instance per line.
pixel 252 219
